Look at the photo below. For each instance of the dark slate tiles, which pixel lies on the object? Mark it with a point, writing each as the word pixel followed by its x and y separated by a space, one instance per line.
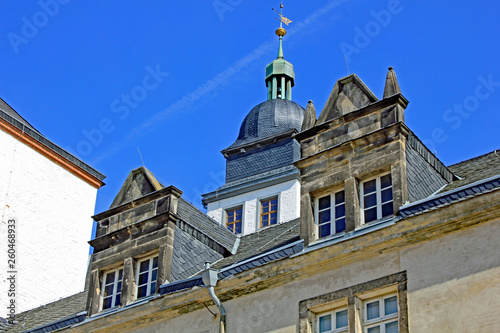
pixel 446 198
pixel 269 157
pixel 180 285
pixel 65 322
pixel 423 179
pixel 190 255
pixel 55 313
pixel 270 118
pixel 431 159
pixel 11 112
pixel 263 240
pixel 475 169
pixel 205 225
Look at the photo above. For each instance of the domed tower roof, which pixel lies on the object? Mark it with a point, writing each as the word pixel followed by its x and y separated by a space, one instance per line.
pixel 268 119
pixel 266 140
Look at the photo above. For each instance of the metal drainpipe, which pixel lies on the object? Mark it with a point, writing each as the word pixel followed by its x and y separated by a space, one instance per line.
pixel 210 277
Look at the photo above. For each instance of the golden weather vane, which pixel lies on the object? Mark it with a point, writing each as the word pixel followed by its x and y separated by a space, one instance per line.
pixel 282 18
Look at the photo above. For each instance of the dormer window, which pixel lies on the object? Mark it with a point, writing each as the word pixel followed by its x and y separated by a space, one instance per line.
pixel 268 212
pixel 147 271
pixel 330 214
pixel 376 198
pixel 112 286
pixel 234 218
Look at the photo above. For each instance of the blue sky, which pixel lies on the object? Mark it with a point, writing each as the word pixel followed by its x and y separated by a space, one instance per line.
pixel 174 79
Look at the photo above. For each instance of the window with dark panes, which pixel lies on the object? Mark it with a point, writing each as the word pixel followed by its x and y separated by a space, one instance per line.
pixel 330 214
pixel 376 198
pixel 112 286
pixel 147 271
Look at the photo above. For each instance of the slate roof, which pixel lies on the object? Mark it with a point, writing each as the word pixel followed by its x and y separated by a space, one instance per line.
pixel 261 241
pixel 189 255
pixel 11 112
pixel 260 176
pixel 478 175
pixel 282 252
pixel 55 313
pixel 206 225
pixel 9 115
pixel 257 249
pixel 252 183
pixel 270 118
pixel 475 169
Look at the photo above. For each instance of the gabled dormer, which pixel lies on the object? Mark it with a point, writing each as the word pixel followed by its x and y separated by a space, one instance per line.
pixel 148 237
pixel 360 162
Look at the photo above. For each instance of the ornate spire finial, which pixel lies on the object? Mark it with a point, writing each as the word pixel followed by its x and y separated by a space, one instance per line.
pixel 281 31
pixel 280 76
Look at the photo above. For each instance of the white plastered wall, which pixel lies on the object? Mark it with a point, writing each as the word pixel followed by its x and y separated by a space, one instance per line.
pixel 288 205
pixel 53 209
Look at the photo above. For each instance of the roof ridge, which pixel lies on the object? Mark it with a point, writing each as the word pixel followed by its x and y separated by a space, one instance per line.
pixel 199 211
pixel 18 114
pixel 51 302
pixel 495 152
pixel 220 230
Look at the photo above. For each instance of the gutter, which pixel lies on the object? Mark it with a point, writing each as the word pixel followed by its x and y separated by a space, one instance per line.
pixel 210 277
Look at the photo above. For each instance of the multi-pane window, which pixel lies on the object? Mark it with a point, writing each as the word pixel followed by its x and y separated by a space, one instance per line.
pixel 331 214
pixel 233 219
pixel 147 270
pixel 268 212
pixel 381 315
pixel 112 287
pixel 376 198
pixel 333 322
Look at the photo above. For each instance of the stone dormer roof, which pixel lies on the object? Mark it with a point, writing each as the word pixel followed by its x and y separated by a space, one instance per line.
pixel 139 183
pixel 349 94
pixel 132 206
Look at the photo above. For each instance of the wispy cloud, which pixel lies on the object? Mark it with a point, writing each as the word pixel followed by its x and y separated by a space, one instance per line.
pixel 213 85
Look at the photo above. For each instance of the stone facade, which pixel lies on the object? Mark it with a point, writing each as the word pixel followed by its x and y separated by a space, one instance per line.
pixel 145 220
